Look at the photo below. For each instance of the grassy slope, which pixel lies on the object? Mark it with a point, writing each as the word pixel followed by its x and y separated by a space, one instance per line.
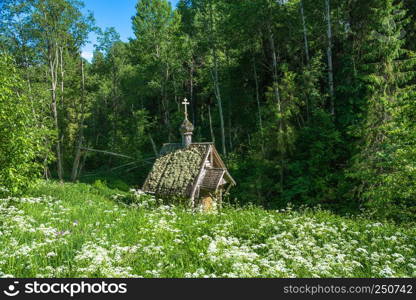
pixel 77 230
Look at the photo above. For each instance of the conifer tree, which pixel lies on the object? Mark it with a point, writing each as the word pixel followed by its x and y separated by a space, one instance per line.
pixel 384 165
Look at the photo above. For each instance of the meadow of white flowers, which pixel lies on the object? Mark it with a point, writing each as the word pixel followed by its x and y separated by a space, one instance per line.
pixel 75 232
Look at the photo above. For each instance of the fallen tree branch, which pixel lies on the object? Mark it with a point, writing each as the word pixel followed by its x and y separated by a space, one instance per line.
pixel 106 152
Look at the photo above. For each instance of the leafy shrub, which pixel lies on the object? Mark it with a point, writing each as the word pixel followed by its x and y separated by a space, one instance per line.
pixel 19 137
pixel 137 198
pixel 120 185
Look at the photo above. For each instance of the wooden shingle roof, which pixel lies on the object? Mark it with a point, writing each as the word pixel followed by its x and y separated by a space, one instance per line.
pixel 175 172
pixel 212 179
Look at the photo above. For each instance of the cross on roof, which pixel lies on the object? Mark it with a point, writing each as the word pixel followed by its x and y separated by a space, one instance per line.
pixel 186 103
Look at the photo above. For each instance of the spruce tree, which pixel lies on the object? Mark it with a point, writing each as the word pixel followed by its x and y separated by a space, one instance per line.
pixel 384 164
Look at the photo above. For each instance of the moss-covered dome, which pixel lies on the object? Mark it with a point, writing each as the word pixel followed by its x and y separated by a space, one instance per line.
pixel 186 126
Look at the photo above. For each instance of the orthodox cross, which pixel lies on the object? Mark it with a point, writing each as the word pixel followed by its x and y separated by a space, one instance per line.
pixel 186 103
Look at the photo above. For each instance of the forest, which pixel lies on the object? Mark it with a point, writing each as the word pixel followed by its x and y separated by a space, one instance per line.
pixel 311 103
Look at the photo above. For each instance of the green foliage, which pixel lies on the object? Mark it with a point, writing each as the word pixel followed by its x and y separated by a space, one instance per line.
pixel 384 165
pixel 19 138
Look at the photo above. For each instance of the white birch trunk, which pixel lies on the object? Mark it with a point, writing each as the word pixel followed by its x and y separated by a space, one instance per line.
pixel 210 125
pixel 329 56
pixel 75 165
pixel 279 104
pixel 305 34
pixel 53 69
pixel 256 81
pixel 216 85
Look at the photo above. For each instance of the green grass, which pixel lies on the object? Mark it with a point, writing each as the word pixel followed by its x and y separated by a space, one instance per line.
pixel 80 230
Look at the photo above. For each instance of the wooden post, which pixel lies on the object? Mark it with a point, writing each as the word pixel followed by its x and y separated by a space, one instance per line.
pixel 220 200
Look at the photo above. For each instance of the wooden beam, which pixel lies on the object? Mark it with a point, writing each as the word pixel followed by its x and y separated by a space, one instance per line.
pixel 201 168
pixel 219 181
pixel 106 152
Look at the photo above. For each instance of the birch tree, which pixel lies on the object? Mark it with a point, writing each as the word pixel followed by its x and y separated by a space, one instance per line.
pixel 304 30
pixel 58 25
pixel 213 44
pixel 329 56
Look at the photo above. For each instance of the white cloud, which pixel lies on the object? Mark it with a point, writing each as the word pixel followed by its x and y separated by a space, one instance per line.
pixel 87 55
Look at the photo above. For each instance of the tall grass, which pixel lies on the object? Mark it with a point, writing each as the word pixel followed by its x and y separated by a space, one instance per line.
pixel 81 230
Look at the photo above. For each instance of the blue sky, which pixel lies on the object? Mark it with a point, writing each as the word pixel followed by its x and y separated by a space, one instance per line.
pixel 112 13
